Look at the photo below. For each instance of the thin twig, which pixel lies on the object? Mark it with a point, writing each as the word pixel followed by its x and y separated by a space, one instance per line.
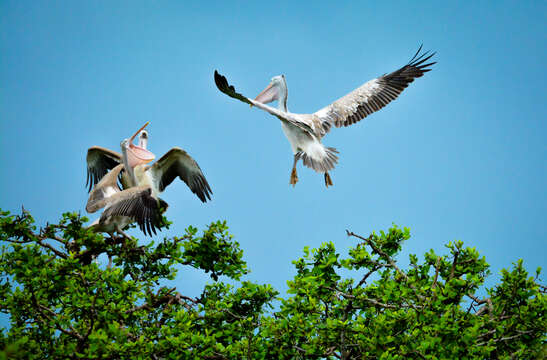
pixel 436 272
pixel 506 338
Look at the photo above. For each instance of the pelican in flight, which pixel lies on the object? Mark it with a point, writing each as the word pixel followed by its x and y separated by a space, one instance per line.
pixel 139 200
pixel 304 131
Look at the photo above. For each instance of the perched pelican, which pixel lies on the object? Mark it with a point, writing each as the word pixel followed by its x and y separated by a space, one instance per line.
pixel 123 207
pixel 304 131
pixel 140 200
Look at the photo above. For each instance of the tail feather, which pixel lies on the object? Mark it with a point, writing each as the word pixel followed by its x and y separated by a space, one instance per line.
pixel 319 159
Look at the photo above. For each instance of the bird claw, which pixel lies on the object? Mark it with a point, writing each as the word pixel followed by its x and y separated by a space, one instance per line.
pixel 328 180
pixel 294 178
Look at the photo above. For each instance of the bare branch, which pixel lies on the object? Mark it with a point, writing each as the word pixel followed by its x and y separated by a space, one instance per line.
pixel 454 264
pixel 521 333
pixel 167 298
pixel 388 259
pixel 437 264
pixel 55 251
pixel 71 332
pixel 364 279
pixel 372 301
pixel 330 352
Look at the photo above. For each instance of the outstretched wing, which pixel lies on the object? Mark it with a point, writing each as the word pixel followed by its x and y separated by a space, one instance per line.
pixel 374 94
pixel 222 85
pixel 99 161
pixel 138 204
pixel 177 162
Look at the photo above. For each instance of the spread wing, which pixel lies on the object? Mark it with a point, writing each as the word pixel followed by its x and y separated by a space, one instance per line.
pixel 177 162
pixel 138 204
pixel 374 94
pixel 222 85
pixel 99 161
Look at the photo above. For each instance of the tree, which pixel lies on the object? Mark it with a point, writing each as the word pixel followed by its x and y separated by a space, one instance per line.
pixel 62 304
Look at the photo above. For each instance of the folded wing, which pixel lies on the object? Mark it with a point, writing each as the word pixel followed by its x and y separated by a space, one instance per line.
pixel 103 190
pixel 138 204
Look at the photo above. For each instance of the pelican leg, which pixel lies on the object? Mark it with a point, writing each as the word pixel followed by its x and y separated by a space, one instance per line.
pixel 294 176
pixel 120 231
pixel 328 180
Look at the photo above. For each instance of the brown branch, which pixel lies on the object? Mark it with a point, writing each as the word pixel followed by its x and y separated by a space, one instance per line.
pixel 491 332
pixel 364 279
pixel 506 338
pixel 330 352
pixel 17 241
pixel 71 332
pixel 436 272
pixel 353 297
pixel 476 299
pixel 55 251
pixel 167 298
pixel 488 307
pixel 454 265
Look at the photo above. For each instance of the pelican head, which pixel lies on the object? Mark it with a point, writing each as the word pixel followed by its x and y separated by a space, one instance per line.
pixel 277 90
pixel 137 154
pixel 143 139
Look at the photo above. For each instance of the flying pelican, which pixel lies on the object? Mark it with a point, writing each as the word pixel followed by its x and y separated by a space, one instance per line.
pixel 304 131
pixel 140 200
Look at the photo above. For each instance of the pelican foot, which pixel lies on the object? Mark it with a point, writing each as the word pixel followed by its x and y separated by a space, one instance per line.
pixel 294 177
pixel 328 180
pixel 121 232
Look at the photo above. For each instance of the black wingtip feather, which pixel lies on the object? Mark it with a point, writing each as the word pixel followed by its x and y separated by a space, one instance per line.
pixel 223 85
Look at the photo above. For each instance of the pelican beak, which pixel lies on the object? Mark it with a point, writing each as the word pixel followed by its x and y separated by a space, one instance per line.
pixel 138 131
pixel 269 94
pixel 137 155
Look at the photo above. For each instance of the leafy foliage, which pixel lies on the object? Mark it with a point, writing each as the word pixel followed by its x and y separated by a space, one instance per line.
pixel 62 304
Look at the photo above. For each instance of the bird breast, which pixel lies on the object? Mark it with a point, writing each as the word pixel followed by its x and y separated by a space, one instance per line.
pixel 144 178
pixel 295 135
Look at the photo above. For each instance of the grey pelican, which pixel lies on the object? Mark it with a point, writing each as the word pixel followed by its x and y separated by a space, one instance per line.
pixel 139 201
pixel 304 131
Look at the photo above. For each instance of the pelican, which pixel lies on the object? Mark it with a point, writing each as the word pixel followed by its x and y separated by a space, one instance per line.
pixel 123 207
pixel 139 201
pixel 304 131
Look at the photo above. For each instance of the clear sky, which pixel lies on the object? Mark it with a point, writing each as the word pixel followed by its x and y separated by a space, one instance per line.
pixel 460 155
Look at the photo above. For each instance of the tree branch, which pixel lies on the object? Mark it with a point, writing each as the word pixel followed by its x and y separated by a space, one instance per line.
pixel 388 259
pixel 364 279
pixel 55 251
pixel 506 338
pixel 436 272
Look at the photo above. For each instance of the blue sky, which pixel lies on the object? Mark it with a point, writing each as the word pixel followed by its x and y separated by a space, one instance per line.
pixel 460 155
